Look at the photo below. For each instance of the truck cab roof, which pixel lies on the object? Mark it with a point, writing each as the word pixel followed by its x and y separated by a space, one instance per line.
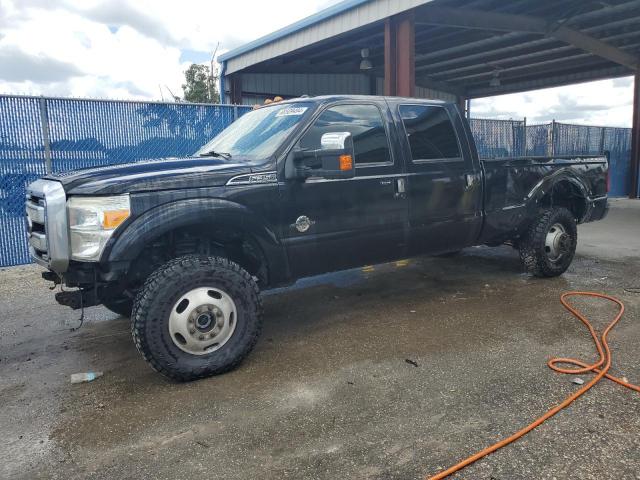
pixel 322 99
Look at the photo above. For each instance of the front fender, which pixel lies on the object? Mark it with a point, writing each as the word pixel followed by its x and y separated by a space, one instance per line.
pixel 137 234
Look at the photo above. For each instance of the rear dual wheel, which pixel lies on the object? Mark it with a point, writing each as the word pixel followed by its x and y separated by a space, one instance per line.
pixel 549 245
pixel 197 316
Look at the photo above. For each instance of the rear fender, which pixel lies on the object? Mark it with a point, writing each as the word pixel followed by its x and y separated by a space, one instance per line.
pixel 538 194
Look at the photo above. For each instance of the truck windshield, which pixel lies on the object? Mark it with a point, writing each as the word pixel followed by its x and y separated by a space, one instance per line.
pixel 257 134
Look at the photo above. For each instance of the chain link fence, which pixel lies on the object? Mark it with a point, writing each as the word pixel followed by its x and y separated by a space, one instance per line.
pixel 538 139
pixel 40 135
pixel 512 138
pixel 498 138
pixel 22 160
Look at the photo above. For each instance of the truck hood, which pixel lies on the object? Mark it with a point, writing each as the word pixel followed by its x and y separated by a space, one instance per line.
pixel 162 174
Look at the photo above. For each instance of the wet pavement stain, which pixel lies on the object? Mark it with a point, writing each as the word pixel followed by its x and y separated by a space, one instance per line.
pixel 327 392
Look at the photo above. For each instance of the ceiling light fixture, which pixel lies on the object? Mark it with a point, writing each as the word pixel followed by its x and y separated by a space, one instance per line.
pixel 365 64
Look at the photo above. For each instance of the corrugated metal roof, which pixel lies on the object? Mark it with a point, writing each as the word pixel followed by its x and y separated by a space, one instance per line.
pixel 329 24
pixel 470 48
pixel 293 28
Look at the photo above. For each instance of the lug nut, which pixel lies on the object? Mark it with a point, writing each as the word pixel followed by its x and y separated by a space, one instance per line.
pixel 192 330
pixel 201 337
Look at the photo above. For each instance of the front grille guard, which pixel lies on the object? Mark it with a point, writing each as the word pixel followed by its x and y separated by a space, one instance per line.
pixel 49 248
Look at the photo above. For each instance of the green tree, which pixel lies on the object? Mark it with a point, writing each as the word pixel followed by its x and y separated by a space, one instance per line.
pixel 201 84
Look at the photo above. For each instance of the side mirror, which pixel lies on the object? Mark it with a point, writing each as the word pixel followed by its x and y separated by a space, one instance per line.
pixel 334 160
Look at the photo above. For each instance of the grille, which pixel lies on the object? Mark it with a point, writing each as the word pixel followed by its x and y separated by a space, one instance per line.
pixel 47 224
pixel 36 227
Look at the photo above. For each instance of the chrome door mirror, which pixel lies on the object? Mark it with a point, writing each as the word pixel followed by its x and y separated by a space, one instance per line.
pixel 335 158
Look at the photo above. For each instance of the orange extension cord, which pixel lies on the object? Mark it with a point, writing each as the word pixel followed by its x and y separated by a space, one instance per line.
pixel 601 367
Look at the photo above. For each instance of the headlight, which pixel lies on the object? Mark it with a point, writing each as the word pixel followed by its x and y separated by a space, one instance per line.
pixel 92 221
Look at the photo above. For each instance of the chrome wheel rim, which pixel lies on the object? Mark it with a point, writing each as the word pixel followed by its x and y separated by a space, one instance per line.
pixel 202 320
pixel 557 242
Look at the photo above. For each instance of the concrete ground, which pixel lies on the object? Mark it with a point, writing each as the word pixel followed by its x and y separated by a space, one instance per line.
pixel 328 392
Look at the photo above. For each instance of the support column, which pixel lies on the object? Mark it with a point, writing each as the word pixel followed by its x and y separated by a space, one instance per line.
pixel 46 137
pixel 389 57
pixel 634 166
pixel 373 84
pixel 462 105
pixel 236 89
pixel 399 55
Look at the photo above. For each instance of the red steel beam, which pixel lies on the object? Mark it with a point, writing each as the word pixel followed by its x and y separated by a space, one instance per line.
pixel 406 48
pixel 390 59
pixel 399 55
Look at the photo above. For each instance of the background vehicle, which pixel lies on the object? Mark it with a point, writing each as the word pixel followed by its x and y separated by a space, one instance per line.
pixel 290 190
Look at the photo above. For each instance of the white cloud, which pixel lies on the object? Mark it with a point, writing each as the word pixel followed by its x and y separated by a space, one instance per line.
pixel 606 102
pixel 129 49
pixel 122 48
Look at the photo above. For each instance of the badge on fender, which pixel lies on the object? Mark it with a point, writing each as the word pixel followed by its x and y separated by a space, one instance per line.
pixel 303 223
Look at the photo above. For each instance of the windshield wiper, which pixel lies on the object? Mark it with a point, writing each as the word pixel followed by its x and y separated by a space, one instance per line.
pixel 213 153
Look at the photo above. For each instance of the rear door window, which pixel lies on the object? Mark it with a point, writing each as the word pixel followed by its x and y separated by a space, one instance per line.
pixel 430 133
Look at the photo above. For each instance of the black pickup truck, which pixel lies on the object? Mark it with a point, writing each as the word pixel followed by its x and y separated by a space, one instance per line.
pixel 293 189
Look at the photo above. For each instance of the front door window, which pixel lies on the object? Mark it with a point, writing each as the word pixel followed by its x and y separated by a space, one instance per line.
pixel 366 126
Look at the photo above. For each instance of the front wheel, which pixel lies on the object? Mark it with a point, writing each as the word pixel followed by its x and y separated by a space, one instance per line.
pixel 197 316
pixel 548 246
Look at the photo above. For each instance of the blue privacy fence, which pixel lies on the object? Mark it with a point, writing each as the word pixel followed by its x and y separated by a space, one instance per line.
pixel 39 135
pixel 504 138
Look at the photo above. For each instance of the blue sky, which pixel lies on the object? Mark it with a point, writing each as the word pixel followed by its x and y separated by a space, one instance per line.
pixel 140 49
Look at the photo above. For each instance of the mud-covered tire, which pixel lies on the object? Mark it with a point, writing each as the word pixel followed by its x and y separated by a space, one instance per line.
pixel 155 303
pixel 535 251
pixel 122 306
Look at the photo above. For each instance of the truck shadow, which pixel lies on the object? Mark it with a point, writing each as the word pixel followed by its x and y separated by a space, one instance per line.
pixel 343 303
pixel 373 292
pixel 321 336
pixel 390 285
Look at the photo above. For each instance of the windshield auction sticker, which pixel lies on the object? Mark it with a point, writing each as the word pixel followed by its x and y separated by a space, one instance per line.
pixel 291 112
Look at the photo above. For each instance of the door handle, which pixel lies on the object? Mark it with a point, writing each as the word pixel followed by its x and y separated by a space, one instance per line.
pixel 470 179
pixel 400 188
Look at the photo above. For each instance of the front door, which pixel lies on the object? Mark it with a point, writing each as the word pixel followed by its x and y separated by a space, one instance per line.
pixel 333 224
pixel 444 185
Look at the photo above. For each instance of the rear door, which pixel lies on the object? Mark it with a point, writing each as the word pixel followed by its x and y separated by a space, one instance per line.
pixel 444 184
pixel 332 224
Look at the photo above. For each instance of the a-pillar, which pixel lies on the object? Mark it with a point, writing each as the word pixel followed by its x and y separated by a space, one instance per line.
pixel 399 55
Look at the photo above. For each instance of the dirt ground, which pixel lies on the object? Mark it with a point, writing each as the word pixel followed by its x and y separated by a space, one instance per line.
pixel 328 393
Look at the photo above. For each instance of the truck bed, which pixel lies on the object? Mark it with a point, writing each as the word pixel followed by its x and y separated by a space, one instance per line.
pixel 511 182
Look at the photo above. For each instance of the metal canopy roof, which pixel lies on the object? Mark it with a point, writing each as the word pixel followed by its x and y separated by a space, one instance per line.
pixel 293 28
pixel 462 45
